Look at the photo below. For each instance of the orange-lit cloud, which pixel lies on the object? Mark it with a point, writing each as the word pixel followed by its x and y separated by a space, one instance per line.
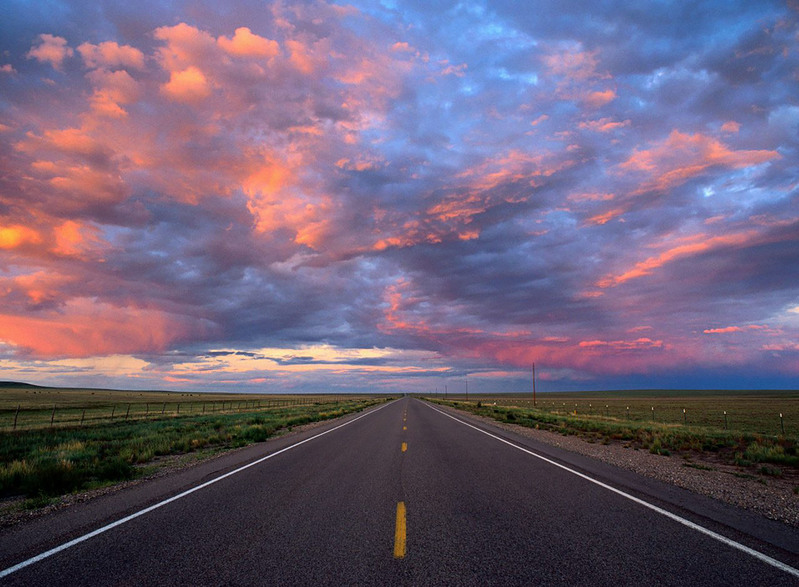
pixel 649 265
pixel 246 44
pixel 189 85
pixel 74 239
pixel 730 126
pixel 310 171
pixel 85 328
pixel 111 55
pixel 51 49
pixel 731 329
pixel 682 156
pixel 603 125
pixel 12 237
pixel 112 91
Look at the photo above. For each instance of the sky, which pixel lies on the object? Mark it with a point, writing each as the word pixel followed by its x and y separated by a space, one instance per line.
pixel 399 196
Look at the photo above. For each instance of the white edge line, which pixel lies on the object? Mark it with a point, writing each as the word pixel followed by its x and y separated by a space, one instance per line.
pixel 79 539
pixel 723 539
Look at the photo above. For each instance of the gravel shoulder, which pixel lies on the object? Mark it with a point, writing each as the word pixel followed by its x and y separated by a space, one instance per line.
pixel 701 473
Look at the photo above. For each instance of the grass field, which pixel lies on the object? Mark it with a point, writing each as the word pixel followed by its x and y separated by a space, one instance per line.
pixel 752 436
pixel 28 407
pixel 756 412
pixel 85 448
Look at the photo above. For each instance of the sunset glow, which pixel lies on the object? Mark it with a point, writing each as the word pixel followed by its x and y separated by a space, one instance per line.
pixel 313 196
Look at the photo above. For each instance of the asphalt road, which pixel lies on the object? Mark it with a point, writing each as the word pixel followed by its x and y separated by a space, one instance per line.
pixel 404 494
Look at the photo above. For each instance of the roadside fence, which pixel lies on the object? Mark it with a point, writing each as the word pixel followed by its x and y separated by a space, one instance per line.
pixel 71 416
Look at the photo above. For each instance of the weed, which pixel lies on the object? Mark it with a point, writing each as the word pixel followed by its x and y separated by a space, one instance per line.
pixel 699 466
pixel 771 471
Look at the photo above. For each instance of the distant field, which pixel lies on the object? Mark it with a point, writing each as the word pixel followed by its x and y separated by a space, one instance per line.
pixel 68 440
pixel 753 437
pixel 755 412
pixel 27 407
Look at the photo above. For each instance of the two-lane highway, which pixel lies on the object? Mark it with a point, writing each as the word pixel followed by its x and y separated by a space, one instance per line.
pixel 402 494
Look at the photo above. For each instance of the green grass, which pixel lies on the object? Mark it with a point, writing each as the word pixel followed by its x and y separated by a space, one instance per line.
pixel 755 412
pixel 742 447
pixel 43 463
pixel 26 408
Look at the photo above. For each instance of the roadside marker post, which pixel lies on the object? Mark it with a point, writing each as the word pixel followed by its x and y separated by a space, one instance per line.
pixel 782 424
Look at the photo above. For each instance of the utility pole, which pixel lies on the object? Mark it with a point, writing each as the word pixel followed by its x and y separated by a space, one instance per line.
pixel 467 388
pixel 533 384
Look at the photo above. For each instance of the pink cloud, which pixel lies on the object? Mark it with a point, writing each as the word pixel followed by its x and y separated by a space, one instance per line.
pixel 51 49
pixel 730 126
pixel 111 55
pixel 591 197
pixel 597 98
pixel 573 62
pixel 731 329
pixel 649 265
pixel 84 327
pixel 603 125
pixel 14 236
pixel 186 46
pixel 75 239
pixel 682 156
pixel 246 44
pixel 189 86
pixel 112 90
pixel 301 57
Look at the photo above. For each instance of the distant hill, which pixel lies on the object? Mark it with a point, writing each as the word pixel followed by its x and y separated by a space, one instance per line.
pixel 19 385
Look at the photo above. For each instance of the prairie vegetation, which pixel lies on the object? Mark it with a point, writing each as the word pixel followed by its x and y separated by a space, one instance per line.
pixel 43 461
pixel 692 424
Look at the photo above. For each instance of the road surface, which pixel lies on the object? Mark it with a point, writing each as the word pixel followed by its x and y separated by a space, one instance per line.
pixel 404 494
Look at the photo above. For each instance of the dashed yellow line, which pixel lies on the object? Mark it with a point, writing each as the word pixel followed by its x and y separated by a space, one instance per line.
pixel 404 427
pixel 399 533
pixel 404 446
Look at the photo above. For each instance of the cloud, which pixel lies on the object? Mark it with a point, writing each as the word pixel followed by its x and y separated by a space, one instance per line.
pixel 603 125
pixel 51 49
pixel 246 44
pixel 189 85
pixel 84 328
pixel 111 55
pixel 469 190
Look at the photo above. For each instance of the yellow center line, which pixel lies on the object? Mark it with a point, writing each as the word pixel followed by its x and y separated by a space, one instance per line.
pixel 404 446
pixel 399 533
pixel 404 427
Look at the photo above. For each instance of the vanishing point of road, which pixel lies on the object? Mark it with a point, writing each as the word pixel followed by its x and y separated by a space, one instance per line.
pixel 403 494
